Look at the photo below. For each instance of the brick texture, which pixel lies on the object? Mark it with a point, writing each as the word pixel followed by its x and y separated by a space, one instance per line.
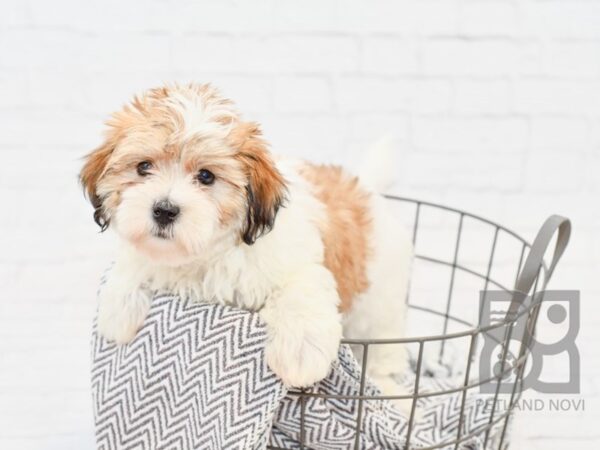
pixel 494 106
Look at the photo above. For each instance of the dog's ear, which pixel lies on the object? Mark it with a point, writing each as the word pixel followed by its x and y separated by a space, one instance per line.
pixel 93 169
pixel 265 189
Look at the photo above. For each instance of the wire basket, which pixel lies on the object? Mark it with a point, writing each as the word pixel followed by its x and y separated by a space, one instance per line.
pixel 467 257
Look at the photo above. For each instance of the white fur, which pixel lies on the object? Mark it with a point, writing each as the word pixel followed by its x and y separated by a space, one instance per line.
pixel 380 312
pixel 378 166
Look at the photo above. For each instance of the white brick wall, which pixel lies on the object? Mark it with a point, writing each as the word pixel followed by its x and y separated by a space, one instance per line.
pixel 494 104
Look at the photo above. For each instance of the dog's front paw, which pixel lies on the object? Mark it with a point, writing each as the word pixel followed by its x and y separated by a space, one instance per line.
pixel 299 365
pixel 301 357
pixel 120 316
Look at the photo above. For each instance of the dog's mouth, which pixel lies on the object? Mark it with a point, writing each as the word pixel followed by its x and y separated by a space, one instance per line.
pixel 165 233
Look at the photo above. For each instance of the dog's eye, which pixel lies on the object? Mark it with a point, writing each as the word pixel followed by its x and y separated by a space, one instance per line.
pixel 206 177
pixel 143 168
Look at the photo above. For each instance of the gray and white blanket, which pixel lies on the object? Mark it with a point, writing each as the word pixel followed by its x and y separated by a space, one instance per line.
pixel 195 377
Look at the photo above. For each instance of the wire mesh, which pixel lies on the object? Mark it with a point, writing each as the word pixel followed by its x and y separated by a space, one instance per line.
pixel 470 328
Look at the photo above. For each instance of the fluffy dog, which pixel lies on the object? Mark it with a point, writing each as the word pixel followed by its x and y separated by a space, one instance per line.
pixel 203 210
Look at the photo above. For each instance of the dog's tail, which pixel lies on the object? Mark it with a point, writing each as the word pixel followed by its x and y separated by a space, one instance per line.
pixel 377 169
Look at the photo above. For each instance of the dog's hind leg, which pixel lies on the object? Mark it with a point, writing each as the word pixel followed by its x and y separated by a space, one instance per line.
pixel 380 311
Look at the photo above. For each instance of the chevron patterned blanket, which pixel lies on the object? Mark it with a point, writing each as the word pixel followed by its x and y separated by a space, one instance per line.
pixel 195 377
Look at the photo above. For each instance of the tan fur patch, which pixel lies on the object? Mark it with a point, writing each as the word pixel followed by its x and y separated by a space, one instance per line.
pixel 266 186
pixel 346 231
pixel 94 167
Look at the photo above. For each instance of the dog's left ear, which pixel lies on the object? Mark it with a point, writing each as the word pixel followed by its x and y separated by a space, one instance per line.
pixel 266 188
pixel 92 171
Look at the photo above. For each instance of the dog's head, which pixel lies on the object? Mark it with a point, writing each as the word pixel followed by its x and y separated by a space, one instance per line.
pixel 180 172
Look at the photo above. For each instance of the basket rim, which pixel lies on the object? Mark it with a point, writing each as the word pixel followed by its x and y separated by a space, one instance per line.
pixel 457 211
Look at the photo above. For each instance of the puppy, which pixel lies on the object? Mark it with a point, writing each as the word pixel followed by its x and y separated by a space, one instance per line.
pixel 203 210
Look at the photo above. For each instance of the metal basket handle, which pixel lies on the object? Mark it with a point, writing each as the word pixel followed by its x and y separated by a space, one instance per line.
pixel 535 259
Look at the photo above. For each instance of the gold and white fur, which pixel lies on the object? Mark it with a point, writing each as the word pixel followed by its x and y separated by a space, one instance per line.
pixel 313 251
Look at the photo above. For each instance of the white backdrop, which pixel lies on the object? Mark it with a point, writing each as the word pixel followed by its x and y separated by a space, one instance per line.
pixel 494 105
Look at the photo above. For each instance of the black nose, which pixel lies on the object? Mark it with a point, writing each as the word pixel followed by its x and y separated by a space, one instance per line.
pixel 165 212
